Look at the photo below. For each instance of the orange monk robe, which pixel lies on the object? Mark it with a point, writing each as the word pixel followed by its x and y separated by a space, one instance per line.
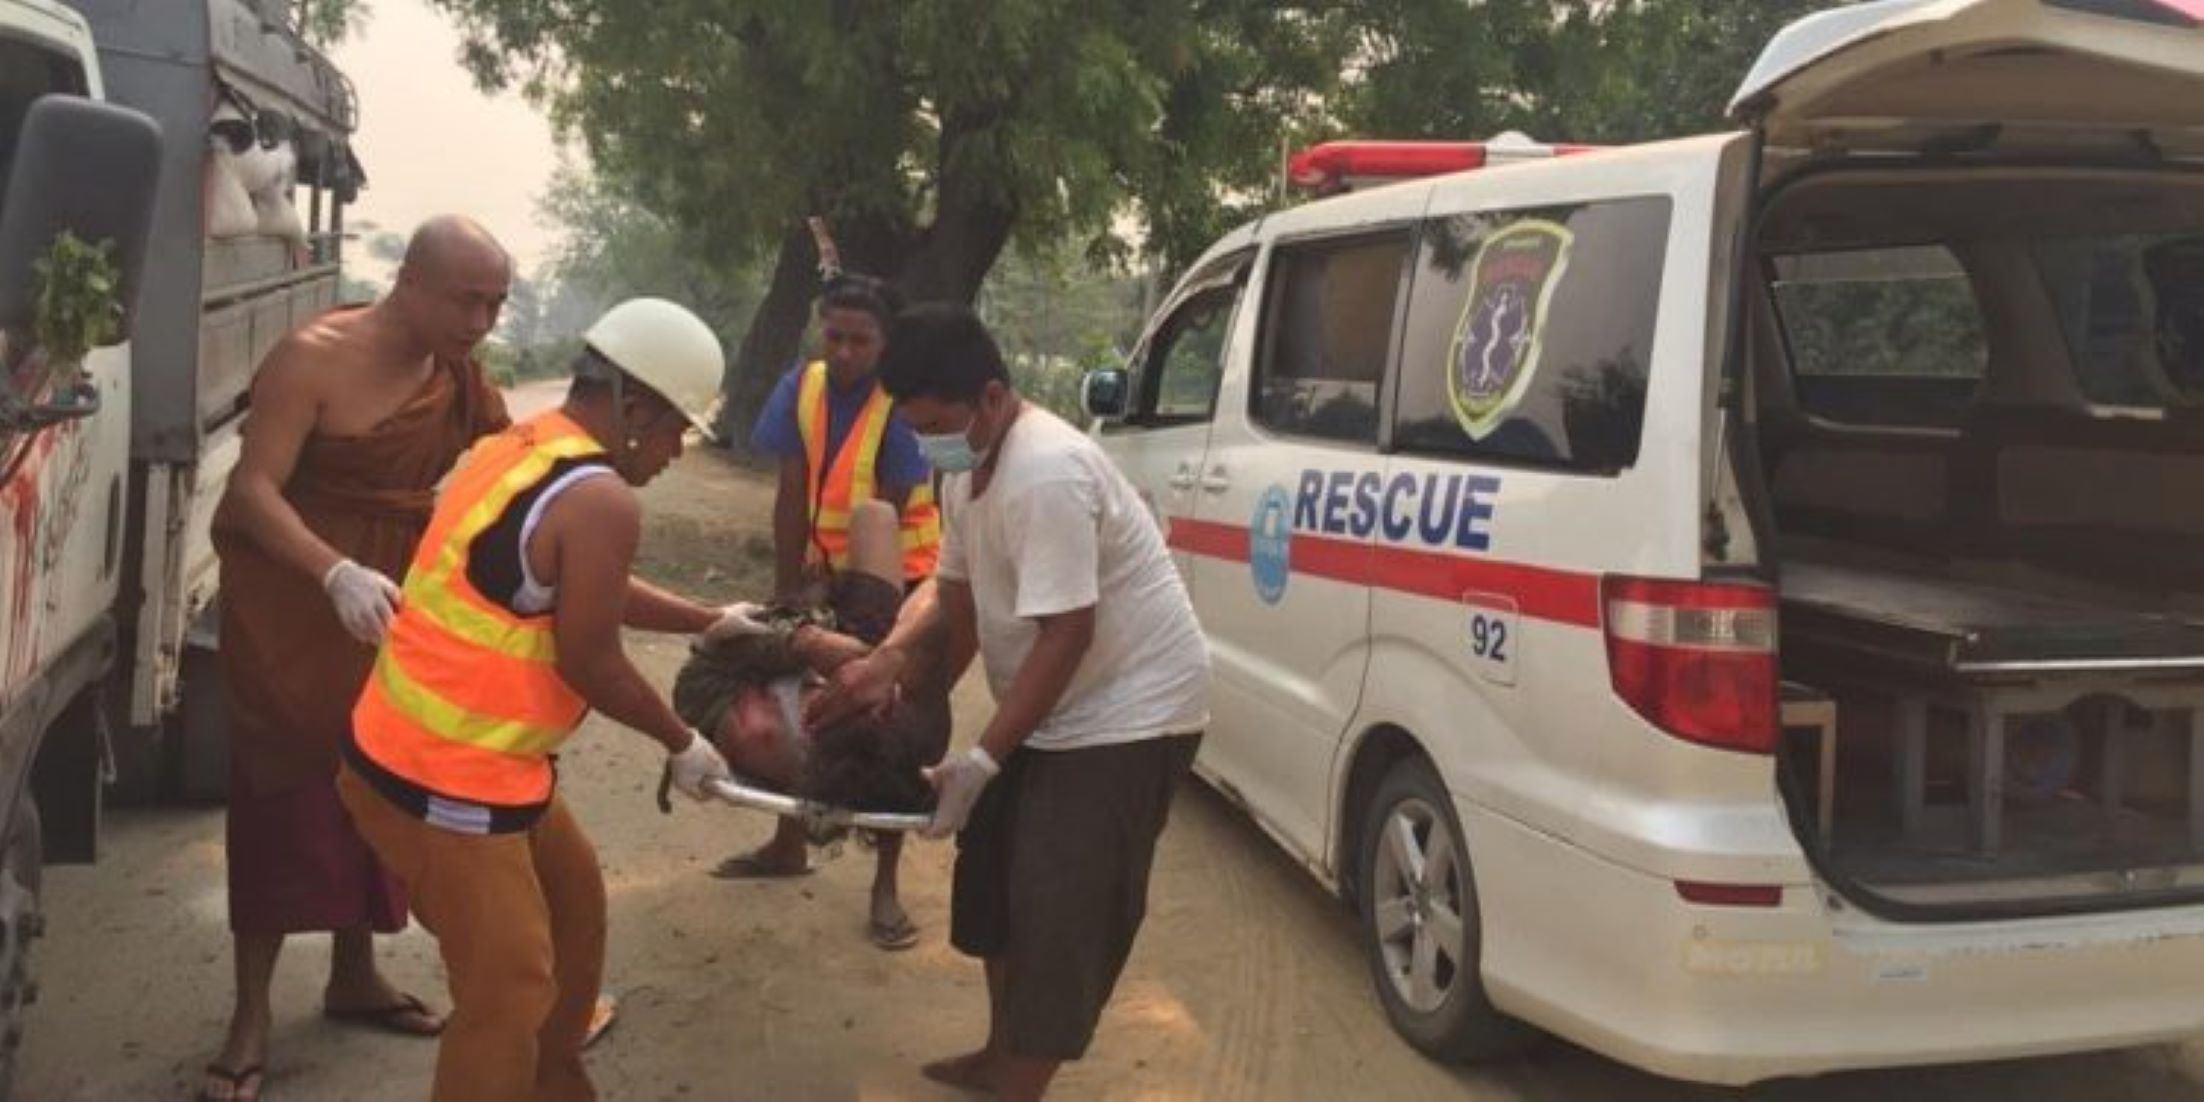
pixel 291 672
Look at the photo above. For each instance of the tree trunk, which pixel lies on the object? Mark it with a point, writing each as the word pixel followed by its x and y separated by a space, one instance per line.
pixel 947 261
pixel 775 337
pixel 972 219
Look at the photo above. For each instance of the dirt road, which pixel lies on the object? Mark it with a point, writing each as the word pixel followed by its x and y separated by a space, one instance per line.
pixel 1246 983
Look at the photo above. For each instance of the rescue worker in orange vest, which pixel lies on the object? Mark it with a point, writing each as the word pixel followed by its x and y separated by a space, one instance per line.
pixel 840 443
pixel 507 635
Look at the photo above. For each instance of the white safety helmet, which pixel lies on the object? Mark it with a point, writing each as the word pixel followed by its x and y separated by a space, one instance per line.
pixel 666 348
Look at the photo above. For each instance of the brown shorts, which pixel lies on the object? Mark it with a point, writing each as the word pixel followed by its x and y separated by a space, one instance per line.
pixel 1052 881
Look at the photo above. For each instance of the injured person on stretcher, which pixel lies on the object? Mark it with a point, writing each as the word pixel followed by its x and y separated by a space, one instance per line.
pixel 747 691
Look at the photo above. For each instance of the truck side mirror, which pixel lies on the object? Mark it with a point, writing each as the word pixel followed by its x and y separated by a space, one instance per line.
pixel 81 167
pixel 1106 393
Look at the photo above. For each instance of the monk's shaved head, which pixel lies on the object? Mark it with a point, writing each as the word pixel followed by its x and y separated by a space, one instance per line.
pixel 448 241
pixel 451 286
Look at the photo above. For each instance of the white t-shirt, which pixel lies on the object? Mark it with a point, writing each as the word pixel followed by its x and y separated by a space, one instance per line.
pixel 1059 529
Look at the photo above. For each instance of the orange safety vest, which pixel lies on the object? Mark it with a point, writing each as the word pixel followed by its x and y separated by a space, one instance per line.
pixel 850 479
pixel 466 700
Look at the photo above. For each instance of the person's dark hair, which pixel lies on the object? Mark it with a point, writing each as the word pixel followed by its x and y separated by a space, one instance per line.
pixel 877 763
pixel 940 350
pixel 855 291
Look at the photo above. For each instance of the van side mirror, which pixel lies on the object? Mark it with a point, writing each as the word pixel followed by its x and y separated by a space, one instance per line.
pixel 81 167
pixel 1106 393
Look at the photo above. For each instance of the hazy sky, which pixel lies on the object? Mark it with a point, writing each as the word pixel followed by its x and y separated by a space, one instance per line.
pixel 432 143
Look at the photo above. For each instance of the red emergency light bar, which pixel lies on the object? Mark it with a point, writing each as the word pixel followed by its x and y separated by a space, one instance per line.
pixel 2173 13
pixel 1332 166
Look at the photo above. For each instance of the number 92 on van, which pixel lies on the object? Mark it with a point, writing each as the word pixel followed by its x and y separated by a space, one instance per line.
pixel 1491 638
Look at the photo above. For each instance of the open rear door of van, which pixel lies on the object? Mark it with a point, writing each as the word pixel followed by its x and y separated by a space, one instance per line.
pixel 2084 77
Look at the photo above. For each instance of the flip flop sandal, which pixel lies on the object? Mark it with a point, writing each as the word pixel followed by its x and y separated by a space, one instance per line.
pixel 236 1081
pixel 401 1017
pixel 747 866
pixel 894 936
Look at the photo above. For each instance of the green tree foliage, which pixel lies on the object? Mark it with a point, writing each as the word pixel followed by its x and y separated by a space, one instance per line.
pixel 76 307
pixel 327 22
pixel 933 134
pixel 1609 71
pixel 612 247
pixel 928 132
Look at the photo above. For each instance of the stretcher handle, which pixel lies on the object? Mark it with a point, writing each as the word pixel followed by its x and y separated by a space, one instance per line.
pixel 810 811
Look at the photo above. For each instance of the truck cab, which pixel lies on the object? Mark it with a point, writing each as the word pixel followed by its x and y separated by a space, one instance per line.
pixel 203 148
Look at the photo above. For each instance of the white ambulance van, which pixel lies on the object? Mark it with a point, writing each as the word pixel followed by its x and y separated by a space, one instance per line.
pixel 1735 603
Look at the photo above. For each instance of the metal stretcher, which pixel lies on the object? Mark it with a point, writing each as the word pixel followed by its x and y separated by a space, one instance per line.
pixel 753 795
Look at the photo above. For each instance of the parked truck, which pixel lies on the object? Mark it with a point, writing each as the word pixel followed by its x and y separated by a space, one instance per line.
pixel 118 122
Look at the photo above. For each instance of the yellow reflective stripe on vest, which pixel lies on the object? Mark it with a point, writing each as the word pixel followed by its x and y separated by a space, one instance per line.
pixel 811 426
pixel 452 615
pixel 432 593
pixel 872 423
pixel 444 718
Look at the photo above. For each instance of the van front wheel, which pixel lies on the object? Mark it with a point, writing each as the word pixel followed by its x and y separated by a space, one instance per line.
pixel 1420 923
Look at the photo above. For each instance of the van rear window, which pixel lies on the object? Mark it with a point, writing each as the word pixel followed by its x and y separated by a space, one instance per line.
pixel 1530 335
pixel 1881 336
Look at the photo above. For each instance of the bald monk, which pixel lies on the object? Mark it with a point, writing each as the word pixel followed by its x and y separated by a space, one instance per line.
pixel 355 419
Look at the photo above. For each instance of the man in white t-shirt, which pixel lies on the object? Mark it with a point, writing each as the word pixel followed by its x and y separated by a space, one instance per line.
pixel 1055 574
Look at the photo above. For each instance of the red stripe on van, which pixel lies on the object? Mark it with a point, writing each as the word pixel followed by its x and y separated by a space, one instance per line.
pixel 1560 596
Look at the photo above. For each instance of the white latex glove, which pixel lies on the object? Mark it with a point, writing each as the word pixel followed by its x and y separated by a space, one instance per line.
pixel 738 619
pixel 957 782
pixel 695 765
pixel 365 600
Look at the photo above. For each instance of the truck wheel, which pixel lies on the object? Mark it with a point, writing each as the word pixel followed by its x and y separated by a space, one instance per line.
pixel 20 924
pixel 1420 923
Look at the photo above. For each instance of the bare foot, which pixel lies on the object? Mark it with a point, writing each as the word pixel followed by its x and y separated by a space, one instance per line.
pixel 374 1001
pixel 973 1071
pixel 783 856
pixel 768 862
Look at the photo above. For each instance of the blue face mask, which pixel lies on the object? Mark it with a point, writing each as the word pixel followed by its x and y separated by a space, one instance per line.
pixel 950 452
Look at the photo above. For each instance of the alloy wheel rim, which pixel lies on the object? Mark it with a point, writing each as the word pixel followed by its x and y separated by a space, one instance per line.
pixel 1417 905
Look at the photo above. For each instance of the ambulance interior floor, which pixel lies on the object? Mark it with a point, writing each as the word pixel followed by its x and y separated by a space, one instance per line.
pixel 2063 836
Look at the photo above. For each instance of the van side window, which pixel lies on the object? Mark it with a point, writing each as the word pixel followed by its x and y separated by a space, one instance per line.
pixel 2132 309
pixel 1328 329
pixel 1185 361
pixel 1530 335
pixel 1881 337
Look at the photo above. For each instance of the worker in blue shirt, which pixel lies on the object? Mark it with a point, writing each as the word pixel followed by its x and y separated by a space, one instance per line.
pixel 840 444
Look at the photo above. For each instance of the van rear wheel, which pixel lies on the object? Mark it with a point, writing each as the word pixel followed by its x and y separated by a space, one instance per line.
pixel 1420 922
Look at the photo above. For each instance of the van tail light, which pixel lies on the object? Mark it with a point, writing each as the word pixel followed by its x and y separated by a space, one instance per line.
pixel 1697 659
pixel 1730 895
